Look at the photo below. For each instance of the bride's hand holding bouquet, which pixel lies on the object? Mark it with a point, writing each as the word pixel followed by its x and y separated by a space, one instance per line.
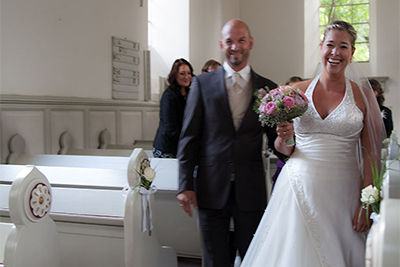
pixel 278 107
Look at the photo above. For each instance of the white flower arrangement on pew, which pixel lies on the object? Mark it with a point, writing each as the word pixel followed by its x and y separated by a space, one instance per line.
pixel 371 196
pixel 146 177
pixel 146 174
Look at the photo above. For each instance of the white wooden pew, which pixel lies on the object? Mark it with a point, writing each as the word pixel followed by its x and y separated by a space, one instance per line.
pixel 391 182
pixel 66 148
pixel 174 227
pixel 89 207
pixel 29 237
pixel 393 147
pixel 383 243
pixel 383 249
pixel 105 142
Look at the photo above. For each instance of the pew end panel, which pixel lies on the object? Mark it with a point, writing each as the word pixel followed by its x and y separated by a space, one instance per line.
pixel 151 253
pixel 383 243
pixel 140 201
pixel 393 147
pixel 34 239
pixel 5 230
pixel 391 182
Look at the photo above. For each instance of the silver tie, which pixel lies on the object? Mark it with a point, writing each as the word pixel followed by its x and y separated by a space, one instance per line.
pixel 236 86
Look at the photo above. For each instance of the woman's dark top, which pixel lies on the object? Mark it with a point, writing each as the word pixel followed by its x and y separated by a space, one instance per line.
pixel 387 119
pixel 172 105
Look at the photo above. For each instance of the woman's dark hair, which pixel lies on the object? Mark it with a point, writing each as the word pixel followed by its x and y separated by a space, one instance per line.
pixel 376 86
pixel 293 79
pixel 174 71
pixel 210 63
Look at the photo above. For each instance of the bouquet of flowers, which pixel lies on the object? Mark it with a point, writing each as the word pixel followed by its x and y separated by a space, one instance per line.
pixel 280 105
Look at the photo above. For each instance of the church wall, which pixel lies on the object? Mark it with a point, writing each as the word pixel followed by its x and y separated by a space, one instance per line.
pixel 52 50
pixel 63 48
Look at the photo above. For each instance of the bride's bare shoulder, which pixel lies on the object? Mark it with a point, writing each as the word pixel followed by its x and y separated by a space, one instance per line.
pixel 303 85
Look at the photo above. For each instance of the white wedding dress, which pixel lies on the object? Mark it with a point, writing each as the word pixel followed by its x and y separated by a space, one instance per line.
pixel 308 221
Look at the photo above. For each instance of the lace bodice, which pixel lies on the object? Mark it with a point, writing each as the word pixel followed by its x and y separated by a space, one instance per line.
pixel 340 130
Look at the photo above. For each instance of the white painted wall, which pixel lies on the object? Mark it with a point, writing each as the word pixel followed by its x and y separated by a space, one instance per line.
pixel 63 48
pixel 207 19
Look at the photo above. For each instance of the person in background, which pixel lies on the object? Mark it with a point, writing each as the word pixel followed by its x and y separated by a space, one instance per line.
pixel 280 163
pixel 294 79
pixel 385 111
pixel 221 135
pixel 210 65
pixel 172 105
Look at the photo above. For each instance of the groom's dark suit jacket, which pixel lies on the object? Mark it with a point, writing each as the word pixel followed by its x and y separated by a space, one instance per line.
pixel 209 140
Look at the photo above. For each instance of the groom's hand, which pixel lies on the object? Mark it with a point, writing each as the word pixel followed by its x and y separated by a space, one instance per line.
pixel 186 198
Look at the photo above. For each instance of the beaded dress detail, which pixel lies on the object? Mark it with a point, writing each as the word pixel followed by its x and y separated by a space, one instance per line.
pixel 308 221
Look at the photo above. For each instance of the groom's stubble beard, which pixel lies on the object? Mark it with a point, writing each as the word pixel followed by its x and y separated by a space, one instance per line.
pixel 238 61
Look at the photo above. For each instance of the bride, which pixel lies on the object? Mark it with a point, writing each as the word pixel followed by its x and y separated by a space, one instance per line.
pixel 313 216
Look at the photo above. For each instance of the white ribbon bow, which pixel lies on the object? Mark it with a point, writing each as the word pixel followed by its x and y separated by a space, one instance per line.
pixel 146 203
pixel 375 217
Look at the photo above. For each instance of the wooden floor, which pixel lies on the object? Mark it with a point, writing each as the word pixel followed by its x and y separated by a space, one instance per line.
pixel 189 262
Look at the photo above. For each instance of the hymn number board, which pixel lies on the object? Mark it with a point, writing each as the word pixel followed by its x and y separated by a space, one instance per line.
pixel 125 69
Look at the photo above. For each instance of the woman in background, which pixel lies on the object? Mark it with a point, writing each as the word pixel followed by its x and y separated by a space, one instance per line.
pixel 210 65
pixel 385 111
pixel 172 105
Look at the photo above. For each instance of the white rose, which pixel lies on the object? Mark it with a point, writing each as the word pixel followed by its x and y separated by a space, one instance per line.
pixel 370 195
pixel 149 173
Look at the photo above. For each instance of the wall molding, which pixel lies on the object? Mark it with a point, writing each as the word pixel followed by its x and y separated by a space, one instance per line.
pixel 47 100
pixel 41 121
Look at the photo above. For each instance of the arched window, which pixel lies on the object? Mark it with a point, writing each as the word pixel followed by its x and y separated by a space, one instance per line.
pixel 355 12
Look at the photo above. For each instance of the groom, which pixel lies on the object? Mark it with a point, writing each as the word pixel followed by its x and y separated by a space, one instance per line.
pixel 221 134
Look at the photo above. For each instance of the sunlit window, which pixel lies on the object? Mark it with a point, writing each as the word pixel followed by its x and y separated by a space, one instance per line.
pixel 168 37
pixel 355 12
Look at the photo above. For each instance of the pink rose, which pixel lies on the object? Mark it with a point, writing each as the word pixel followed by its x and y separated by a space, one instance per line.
pixel 276 94
pixel 303 95
pixel 261 108
pixel 288 101
pixel 270 108
pixel 299 101
pixel 261 93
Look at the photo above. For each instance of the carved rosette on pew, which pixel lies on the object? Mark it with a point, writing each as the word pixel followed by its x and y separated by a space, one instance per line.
pixel 36 235
pixel 39 201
